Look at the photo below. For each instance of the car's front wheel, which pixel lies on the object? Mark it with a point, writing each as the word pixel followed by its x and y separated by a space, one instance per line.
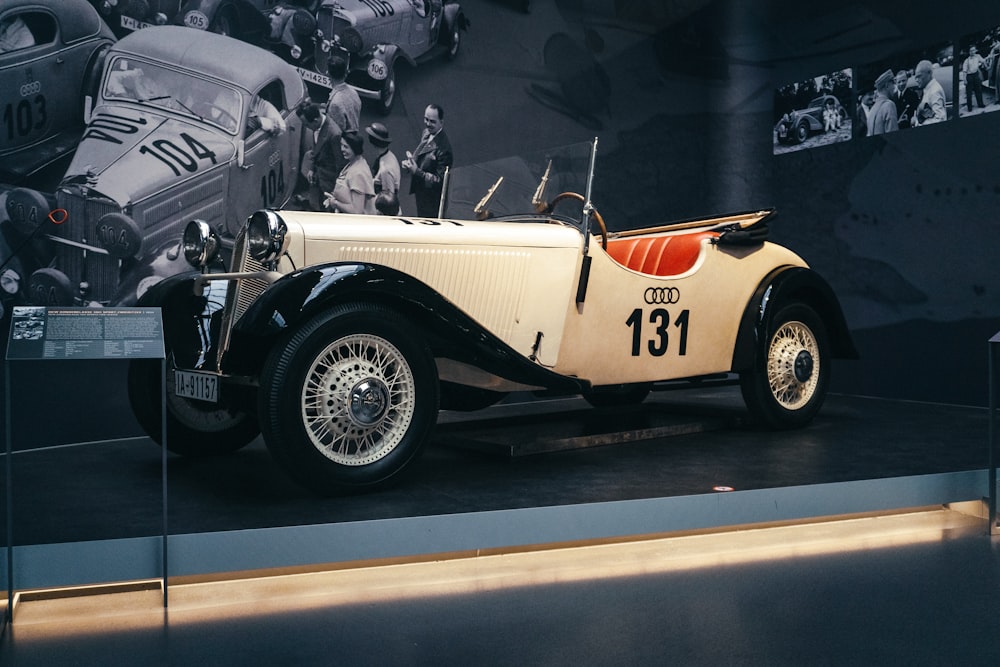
pixel 454 41
pixel 788 382
pixel 194 428
pixel 387 94
pixel 349 399
pixel 801 132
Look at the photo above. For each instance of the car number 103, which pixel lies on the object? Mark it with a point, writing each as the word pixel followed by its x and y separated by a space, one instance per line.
pixel 198 386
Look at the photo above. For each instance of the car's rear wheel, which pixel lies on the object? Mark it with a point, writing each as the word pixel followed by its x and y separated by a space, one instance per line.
pixel 788 381
pixel 349 399
pixel 194 428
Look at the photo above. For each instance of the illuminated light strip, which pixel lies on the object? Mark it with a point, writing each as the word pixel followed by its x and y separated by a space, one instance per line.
pixel 214 601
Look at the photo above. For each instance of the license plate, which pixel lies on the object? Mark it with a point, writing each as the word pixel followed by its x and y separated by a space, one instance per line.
pixel 199 386
pixel 314 77
pixel 130 23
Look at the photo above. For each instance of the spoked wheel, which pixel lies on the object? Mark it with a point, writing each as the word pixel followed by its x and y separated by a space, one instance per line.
pixel 349 400
pixel 788 382
pixel 194 428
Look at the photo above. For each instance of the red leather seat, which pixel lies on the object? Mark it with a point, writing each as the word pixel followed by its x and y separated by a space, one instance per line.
pixel 659 255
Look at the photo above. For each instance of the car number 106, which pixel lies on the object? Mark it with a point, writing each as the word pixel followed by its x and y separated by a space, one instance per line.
pixel 199 386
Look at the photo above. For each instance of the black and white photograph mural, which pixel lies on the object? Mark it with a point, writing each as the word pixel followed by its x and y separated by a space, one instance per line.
pixel 907 90
pixel 813 112
pixel 212 111
pixel 977 63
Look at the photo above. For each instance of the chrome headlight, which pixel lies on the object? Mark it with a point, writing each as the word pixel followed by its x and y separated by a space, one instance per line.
pixel 351 41
pixel 266 233
pixel 201 244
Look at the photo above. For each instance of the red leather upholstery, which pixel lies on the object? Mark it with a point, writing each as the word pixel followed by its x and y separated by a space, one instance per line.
pixel 659 255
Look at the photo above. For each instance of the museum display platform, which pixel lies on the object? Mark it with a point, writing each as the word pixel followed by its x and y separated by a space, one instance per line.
pixel 684 460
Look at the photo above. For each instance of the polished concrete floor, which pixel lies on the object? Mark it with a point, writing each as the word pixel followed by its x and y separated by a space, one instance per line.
pixel 919 588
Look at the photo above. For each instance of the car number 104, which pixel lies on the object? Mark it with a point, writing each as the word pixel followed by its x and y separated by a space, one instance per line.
pixel 657 340
pixel 198 386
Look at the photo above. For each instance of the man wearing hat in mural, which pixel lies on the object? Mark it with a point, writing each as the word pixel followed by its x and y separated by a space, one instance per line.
pixel 385 170
pixel 883 116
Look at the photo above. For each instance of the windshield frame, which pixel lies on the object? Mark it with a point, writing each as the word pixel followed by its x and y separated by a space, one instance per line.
pixel 147 83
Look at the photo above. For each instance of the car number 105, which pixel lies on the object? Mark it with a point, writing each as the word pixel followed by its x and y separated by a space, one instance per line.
pixel 198 386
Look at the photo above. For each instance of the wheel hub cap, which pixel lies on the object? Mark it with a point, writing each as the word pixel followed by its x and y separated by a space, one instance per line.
pixel 803 366
pixel 368 402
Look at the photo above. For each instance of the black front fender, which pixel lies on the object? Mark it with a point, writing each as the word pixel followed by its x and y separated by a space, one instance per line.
pixel 300 296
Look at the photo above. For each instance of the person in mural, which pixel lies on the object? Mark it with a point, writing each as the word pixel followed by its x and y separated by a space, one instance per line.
pixel 932 103
pixel 907 98
pixel 321 156
pixel 971 68
pixel 385 167
pixel 831 117
pixel 864 110
pixel 428 163
pixel 343 106
pixel 264 116
pixel 354 191
pixel 883 118
pixel 15 34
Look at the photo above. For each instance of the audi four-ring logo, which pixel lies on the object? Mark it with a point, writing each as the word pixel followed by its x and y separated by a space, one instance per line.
pixel 31 88
pixel 664 295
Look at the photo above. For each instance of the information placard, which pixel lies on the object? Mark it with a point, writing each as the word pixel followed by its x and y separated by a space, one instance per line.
pixel 39 332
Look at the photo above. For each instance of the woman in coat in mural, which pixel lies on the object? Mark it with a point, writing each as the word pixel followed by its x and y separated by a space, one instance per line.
pixel 354 191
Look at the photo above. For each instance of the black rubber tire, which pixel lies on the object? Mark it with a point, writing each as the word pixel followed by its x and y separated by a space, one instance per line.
pixel 801 132
pixel 194 428
pixel 791 372
pixel 454 41
pixel 618 395
pixel 387 95
pixel 371 420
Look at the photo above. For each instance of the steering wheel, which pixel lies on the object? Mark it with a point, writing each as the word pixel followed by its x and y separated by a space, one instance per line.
pixel 218 114
pixel 597 216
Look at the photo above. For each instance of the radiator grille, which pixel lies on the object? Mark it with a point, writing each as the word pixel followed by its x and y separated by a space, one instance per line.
pixel 98 269
pixel 242 293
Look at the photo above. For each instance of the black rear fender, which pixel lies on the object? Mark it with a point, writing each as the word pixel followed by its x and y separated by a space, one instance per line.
pixel 791 284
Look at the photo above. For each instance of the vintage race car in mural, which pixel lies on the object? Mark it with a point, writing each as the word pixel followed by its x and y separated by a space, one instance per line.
pixel 798 125
pixel 340 336
pixel 236 18
pixel 51 59
pixel 175 134
pixel 286 27
pixel 376 35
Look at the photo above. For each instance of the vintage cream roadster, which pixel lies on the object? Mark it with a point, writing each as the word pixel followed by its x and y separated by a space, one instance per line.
pixel 339 337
